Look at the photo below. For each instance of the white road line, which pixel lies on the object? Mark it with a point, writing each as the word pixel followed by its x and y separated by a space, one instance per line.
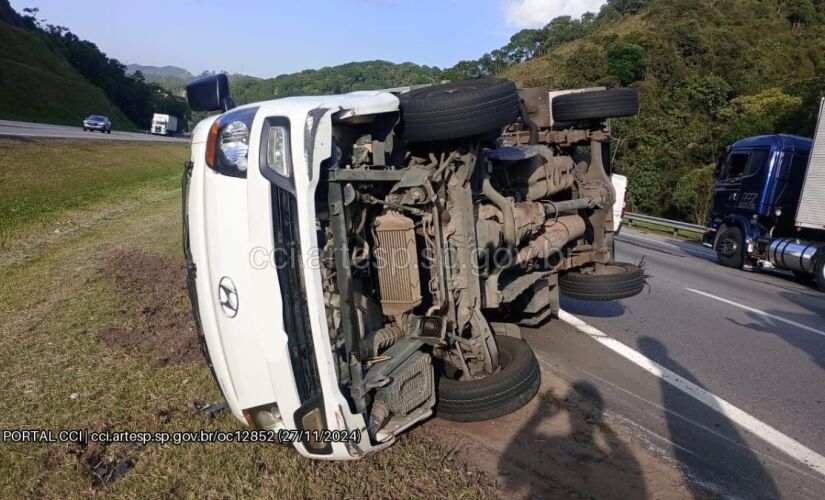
pixel 760 429
pixel 757 311
pixel 697 252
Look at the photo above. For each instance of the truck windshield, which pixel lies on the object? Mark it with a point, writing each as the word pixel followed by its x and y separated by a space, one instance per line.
pixel 759 157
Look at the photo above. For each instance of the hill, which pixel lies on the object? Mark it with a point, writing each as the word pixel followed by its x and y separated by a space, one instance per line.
pixel 709 72
pixel 38 84
pixel 367 75
pixel 171 78
pixel 159 72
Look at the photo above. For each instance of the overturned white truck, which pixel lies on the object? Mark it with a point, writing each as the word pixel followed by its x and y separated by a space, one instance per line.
pixel 358 262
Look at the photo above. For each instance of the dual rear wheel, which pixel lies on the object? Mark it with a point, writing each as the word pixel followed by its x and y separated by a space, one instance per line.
pixel 476 108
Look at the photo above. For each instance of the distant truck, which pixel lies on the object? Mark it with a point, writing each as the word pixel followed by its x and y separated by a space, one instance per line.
pixel 164 125
pixel 768 209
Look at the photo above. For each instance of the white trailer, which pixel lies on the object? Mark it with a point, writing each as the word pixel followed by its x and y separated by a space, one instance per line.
pixel 164 124
pixel 811 212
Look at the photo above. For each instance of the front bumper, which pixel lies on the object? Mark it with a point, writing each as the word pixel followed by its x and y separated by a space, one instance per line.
pixel 95 126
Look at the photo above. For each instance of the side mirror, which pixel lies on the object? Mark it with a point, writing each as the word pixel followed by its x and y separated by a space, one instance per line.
pixel 210 93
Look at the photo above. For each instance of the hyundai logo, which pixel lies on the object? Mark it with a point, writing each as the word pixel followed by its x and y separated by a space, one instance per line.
pixel 228 297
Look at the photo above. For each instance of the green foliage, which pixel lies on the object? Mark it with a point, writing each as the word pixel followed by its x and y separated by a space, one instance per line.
pixel 368 75
pixel 135 97
pixel 39 85
pixel 799 11
pixel 52 75
pixel 627 63
pixel 694 192
pixel 628 6
pixel 715 72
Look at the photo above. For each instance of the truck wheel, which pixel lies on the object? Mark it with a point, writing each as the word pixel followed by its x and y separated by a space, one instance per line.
pixel 497 395
pixel 596 105
pixel 819 271
pixel 620 281
pixel 460 109
pixel 729 248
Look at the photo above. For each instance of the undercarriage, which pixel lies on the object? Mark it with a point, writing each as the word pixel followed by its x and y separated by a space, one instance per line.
pixel 444 227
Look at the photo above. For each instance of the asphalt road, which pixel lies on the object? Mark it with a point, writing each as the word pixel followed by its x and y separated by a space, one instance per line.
pixel 767 362
pixel 24 129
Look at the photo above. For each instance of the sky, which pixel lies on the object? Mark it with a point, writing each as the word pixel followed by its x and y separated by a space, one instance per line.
pixel 266 38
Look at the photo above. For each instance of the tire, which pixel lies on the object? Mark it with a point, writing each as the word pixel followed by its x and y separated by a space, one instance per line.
pixel 109 131
pixel 729 248
pixel 596 105
pixel 460 109
pixel 819 271
pixel 621 281
pixel 497 395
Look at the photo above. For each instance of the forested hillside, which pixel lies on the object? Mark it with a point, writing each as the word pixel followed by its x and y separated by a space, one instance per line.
pixel 49 74
pixel 38 84
pixel 709 72
pixel 367 75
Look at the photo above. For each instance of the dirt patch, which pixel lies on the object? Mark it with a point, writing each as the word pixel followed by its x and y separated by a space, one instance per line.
pixel 164 330
pixel 561 446
pixel 100 462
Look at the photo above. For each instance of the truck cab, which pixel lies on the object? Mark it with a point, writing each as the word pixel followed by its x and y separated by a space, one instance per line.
pixel 753 220
pixel 164 124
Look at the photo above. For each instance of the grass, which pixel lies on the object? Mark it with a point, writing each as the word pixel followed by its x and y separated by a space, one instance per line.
pixel 42 181
pixel 39 85
pixel 58 374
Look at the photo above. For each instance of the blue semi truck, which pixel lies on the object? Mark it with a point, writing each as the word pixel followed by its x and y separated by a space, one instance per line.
pixel 768 209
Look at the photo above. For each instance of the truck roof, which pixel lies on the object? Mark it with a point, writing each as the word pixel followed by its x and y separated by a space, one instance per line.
pixel 782 141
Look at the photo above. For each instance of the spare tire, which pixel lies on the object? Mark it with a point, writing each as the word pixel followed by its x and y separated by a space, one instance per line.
pixel 620 281
pixel 460 109
pixel 596 105
pixel 497 395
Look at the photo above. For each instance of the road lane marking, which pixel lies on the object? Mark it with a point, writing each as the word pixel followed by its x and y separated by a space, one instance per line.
pixel 760 429
pixel 696 252
pixel 757 311
pixel 555 368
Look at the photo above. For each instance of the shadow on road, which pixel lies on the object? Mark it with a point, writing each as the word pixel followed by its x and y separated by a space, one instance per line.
pixel 718 447
pixel 592 309
pixel 566 450
pixel 806 341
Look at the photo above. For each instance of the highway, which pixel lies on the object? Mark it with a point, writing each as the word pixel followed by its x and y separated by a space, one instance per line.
pixel 719 370
pixel 25 129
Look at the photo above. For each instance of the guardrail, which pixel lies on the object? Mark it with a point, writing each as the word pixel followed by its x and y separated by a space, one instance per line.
pixel 673 225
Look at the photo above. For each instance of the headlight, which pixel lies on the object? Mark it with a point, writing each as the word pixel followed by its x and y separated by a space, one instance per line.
pixel 227 148
pixel 277 151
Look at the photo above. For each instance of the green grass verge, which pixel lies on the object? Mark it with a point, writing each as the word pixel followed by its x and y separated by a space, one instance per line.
pixel 59 373
pixel 44 179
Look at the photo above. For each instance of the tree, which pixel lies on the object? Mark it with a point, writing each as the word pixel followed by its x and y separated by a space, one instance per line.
pixel 627 63
pixel 628 7
pixel 799 12
pixel 694 192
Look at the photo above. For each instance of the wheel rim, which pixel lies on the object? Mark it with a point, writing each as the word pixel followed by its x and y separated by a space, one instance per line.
pixel 728 247
pixel 504 360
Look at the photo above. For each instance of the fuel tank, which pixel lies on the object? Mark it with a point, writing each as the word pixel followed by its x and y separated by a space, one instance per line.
pixel 795 255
